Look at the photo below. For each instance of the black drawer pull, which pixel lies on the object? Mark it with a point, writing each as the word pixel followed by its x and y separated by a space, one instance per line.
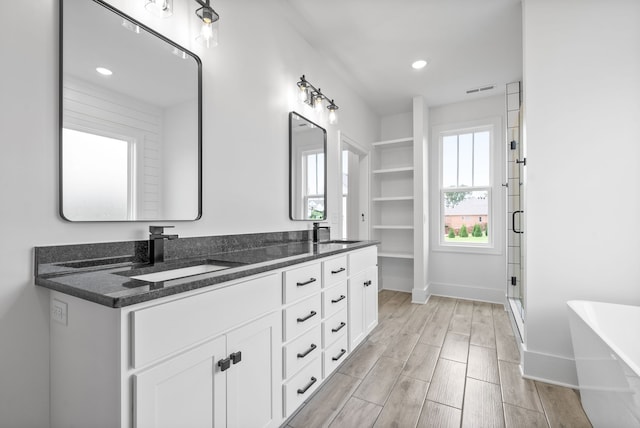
pixel 338 271
pixel 337 357
pixel 337 329
pixel 342 296
pixel 311 314
pixel 305 353
pixel 224 364
pixel 367 283
pixel 309 385
pixel 236 357
pixel 302 284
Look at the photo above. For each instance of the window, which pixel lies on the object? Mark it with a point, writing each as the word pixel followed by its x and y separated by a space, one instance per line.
pixel 97 176
pixel 465 187
pixel 314 185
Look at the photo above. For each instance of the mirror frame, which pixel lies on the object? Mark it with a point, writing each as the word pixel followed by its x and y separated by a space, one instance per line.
pixel 60 112
pixel 324 148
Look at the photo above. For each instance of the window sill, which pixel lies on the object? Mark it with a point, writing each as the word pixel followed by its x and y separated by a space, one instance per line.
pixel 467 249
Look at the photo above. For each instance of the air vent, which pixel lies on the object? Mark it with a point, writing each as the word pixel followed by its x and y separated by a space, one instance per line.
pixel 480 89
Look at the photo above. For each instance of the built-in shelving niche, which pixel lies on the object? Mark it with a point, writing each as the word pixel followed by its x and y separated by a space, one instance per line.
pixel 392 211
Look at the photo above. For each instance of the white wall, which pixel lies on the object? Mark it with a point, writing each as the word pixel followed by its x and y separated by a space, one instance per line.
pixel 581 112
pixel 468 275
pixel 249 87
pixel 179 177
pixel 396 126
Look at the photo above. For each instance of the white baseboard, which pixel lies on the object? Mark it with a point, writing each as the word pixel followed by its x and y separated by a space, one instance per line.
pixel 401 290
pixel 467 292
pixel 553 369
pixel 420 295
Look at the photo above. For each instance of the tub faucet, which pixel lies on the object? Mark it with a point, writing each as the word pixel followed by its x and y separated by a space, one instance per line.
pixel 316 232
pixel 156 243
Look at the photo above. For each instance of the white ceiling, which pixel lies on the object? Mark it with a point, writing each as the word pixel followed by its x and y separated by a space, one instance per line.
pixel 372 43
pixel 141 62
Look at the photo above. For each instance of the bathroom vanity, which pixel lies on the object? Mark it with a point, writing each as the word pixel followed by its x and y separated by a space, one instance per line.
pixel 241 345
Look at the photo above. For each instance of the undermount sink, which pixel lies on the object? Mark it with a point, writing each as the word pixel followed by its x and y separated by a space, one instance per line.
pixel 167 275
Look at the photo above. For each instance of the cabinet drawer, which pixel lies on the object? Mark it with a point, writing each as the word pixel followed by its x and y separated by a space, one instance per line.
pixel 166 328
pixel 360 260
pixel 302 350
pixel 302 282
pixel 334 327
pixel 302 386
pixel 335 355
pixel 334 270
pixel 302 316
pixel 334 299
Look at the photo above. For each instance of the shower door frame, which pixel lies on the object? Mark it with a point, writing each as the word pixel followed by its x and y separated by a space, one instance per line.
pixel 515 166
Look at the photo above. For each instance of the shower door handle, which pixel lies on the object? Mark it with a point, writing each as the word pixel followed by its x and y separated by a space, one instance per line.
pixel 513 221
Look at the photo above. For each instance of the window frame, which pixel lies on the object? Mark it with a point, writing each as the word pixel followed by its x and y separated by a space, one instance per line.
pixel 495 245
pixel 305 180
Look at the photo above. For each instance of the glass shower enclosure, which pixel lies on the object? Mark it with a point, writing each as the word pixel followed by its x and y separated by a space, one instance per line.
pixel 516 163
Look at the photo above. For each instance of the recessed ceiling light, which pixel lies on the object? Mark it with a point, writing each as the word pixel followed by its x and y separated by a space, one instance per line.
pixel 104 71
pixel 419 64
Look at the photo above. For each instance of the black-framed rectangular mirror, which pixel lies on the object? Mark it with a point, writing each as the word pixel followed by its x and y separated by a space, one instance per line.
pixel 130 119
pixel 307 169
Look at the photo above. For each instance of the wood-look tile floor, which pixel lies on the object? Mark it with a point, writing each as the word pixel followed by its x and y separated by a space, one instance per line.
pixel 448 363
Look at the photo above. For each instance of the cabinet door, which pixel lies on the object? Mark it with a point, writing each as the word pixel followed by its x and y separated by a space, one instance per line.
pixel 254 394
pixel 356 309
pixel 180 392
pixel 371 299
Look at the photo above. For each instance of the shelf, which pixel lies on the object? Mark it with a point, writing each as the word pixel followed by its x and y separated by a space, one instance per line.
pixel 393 227
pixel 395 255
pixel 396 142
pixel 392 198
pixel 393 170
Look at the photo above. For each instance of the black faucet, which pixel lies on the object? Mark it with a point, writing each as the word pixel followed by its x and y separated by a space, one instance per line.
pixel 156 243
pixel 316 232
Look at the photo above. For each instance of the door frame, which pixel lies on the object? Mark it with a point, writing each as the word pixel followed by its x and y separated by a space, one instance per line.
pixel 364 205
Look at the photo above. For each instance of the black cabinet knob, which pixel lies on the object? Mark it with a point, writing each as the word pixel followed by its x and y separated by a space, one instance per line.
pixel 224 364
pixel 236 357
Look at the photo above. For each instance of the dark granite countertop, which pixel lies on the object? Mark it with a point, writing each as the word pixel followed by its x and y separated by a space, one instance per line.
pixel 107 280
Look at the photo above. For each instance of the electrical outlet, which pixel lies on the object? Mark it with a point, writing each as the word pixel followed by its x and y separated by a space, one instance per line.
pixel 59 311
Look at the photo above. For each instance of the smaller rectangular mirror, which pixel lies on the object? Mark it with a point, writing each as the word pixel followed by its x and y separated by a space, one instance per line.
pixel 307 169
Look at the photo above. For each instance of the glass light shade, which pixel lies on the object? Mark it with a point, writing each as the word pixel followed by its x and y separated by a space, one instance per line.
pixel 304 93
pixel 317 102
pixel 160 8
pixel 333 116
pixel 208 36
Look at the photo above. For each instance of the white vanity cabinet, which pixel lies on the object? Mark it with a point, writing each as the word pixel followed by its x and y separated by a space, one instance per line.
pixel 363 295
pixel 184 385
pixel 213 384
pixel 199 359
pixel 302 344
pixel 244 354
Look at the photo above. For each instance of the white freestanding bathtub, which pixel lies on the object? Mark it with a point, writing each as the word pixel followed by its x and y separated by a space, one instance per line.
pixel 606 344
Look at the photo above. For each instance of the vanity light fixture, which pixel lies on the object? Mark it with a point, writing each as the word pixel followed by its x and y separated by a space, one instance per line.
pixel 314 97
pixel 159 8
pixel 208 36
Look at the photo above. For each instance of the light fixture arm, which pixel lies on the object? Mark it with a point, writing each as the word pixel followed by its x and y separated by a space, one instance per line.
pixel 206 12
